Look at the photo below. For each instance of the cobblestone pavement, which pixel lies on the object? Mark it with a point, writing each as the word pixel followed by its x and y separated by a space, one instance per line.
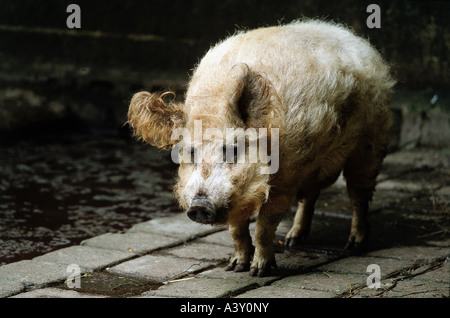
pixel 171 256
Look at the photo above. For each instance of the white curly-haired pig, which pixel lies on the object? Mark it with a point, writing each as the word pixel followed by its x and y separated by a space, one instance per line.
pixel 320 95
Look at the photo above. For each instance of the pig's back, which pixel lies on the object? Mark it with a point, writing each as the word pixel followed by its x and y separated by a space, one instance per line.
pixel 332 84
pixel 307 62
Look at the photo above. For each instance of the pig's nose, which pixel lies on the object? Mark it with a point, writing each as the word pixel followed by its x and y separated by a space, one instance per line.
pixel 201 211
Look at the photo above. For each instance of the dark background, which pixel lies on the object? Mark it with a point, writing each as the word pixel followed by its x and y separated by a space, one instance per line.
pixel 51 75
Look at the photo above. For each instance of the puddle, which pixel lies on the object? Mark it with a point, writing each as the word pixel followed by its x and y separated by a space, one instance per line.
pixel 113 285
pixel 56 191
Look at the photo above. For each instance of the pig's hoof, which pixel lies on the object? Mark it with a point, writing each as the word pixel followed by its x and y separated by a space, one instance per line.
pixel 240 260
pixel 295 238
pixel 293 241
pixel 262 269
pixel 356 246
pixel 233 265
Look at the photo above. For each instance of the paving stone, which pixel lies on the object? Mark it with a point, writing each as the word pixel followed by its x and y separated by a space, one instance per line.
pixel 438 275
pixel 35 273
pixel 10 287
pixel 406 186
pixel 241 277
pixel 176 226
pixel 219 238
pixel 417 158
pixel 430 279
pixel 85 257
pixel 441 243
pixel 202 251
pixel 160 267
pixel 55 293
pixel 199 287
pixel 444 191
pixel 384 197
pixel 410 130
pixel 328 282
pixel 416 288
pixel 297 260
pixel 366 292
pixel 358 265
pixel 284 226
pixel 442 196
pixel 284 292
pixel 414 253
pixel 435 131
pixel 137 243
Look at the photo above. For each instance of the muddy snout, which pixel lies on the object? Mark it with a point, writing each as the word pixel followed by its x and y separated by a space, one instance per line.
pixel 202 211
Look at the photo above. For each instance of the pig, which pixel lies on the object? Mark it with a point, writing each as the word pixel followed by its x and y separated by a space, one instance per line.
pixel 323 89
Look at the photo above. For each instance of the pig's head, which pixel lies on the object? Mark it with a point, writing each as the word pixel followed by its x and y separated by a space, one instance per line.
pixel 218 180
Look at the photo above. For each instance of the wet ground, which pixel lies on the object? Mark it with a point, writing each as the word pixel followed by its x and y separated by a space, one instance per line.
pixel 56 190
pixel 113 285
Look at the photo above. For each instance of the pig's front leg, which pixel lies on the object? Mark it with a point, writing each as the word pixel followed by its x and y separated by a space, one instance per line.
pixel 266 224
pixel 243 248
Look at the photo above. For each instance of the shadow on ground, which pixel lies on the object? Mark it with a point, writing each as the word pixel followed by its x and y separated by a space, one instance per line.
pixel 409 208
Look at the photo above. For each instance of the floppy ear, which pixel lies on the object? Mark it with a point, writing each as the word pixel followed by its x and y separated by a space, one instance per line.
pixel 257 101
pixel 153 120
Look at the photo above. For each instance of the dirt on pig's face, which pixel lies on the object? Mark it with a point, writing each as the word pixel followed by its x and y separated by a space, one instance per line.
pixel 218 183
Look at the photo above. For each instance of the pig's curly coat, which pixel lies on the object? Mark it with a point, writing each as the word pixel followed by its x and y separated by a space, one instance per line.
pixel 327 90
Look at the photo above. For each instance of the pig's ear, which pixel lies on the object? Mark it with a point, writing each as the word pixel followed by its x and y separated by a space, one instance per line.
pixel 257 101
pixel 153 120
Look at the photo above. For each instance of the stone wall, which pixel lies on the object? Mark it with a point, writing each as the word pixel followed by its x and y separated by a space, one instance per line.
pixel 51 75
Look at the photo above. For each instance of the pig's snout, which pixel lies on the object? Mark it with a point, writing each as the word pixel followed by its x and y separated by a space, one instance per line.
pixel 202 211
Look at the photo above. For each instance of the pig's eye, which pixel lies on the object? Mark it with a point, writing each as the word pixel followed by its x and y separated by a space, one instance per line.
pixel 192 154
pixel 230 153
pixel 188 154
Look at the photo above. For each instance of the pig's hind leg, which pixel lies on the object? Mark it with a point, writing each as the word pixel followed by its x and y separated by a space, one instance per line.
pixel 360 172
